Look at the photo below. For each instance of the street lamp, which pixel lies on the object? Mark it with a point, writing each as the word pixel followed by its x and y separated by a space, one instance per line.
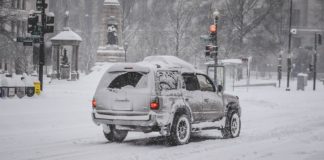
pixel 289 48
pixel 125 47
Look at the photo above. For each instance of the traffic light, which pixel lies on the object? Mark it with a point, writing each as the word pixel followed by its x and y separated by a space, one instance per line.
pixel 40 6
pixel 32 23
pixel 210 51
pixel 311 67
pixel 319 39
pixel 49 23
pixel 279 68
pixel 213 28
pixel 207 51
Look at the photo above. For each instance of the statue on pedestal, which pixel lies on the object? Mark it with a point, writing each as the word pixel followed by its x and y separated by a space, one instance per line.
pixel 112 36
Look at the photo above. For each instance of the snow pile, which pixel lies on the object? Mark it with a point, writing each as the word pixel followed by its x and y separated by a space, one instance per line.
pixel 67 35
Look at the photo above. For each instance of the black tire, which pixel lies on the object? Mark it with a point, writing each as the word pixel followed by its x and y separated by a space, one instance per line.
pixel 180 130
pixel 232 127
pixel 115 135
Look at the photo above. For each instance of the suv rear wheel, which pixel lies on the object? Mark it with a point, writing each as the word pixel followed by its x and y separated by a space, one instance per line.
pixel 115 135
pixel 180 130
pixel 232 125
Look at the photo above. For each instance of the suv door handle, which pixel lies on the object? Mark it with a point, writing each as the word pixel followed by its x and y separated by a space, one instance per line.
pixel 206 100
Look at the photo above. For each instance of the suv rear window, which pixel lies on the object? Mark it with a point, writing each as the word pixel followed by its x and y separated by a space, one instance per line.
pixel 129 79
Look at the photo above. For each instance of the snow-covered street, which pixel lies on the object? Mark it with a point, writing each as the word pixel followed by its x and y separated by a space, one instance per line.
pixel 57 125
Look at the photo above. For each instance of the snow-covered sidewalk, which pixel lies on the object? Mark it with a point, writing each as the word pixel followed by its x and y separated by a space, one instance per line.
pixel 57 125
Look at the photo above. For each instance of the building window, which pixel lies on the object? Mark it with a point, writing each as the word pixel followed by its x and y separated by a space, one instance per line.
pixel 296 17
pixel 24 4
pixel 13 4
pixel 296 42
pixel 18 4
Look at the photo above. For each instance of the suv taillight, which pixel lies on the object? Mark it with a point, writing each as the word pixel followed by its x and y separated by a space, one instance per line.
pixel 155 104
pixel 94 103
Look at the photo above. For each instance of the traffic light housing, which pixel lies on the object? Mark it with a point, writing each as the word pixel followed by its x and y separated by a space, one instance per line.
pixel 210 50
pixel 311 68
pixel 40 6
pixel 207 51
pixel 279 68
pixel 319 39
pixel 49 23
pixel 32 23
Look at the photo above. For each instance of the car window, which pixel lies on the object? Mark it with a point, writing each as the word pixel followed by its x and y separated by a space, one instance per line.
pixel 129 79
pixel 168 80
pixel 191 82
pixel 205 83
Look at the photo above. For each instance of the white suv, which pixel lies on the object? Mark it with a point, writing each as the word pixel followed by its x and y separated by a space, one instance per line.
pixel 163 94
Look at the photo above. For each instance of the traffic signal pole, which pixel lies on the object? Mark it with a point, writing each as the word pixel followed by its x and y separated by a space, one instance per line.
pixel 216 51
pixel 42 46
pixel 315 62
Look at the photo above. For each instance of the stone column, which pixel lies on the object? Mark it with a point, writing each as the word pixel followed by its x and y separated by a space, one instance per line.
pixel 57 52
pixel 77 60
pixel 74 68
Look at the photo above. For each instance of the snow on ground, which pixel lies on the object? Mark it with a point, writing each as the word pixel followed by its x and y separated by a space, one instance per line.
pixel 57 125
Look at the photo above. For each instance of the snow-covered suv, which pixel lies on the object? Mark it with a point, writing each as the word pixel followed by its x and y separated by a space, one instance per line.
pixel 163 94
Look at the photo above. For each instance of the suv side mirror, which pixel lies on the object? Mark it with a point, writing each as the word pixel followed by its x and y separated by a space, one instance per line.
pixel 220 88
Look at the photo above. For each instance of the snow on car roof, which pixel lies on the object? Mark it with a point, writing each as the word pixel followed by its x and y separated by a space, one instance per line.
pixel 169 62
pixel 129 67
pixel 226 62
pixel 155 63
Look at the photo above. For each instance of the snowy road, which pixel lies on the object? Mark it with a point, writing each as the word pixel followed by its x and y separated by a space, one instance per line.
pixel 57 125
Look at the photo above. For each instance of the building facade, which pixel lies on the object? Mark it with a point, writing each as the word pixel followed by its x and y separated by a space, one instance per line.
pixel 308 20
pixel 14 57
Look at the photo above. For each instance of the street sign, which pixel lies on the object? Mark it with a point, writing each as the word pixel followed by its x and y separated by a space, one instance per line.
pixel 205 38
pixel 28 43
pixel 20 39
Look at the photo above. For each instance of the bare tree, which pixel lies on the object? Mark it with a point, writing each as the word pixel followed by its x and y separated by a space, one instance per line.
pixel 245 15
pixel 180 16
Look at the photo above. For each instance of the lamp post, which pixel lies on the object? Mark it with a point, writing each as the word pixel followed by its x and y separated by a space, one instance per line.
pixel 216 17
pixel 280 68
pixel 125 47
pixel 289 49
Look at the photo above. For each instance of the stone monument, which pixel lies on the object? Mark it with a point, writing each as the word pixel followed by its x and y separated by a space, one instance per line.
pixel 110 47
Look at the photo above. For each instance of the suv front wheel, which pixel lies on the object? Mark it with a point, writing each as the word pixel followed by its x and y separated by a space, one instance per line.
pixel 232 125
pixel 180 130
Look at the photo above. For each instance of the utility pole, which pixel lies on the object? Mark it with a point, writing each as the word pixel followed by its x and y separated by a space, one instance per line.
pixel 289 48
pixel 317 41
pixel 213 49
pixel 315 61
pixel 216 15
pixel 41 44
pixel 280 68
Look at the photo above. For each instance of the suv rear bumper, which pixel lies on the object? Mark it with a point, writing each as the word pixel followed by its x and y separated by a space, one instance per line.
pixel 140 120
